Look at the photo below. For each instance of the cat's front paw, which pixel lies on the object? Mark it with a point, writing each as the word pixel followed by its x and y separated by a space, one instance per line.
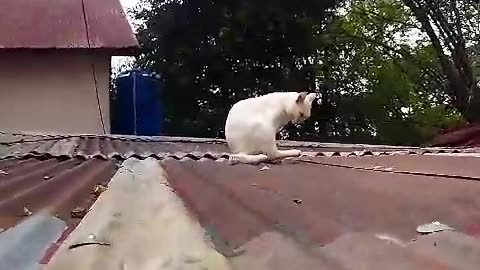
pixel 296 153
pixel 233 160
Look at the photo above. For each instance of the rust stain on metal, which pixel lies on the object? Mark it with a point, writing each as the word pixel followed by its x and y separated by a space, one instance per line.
pixel 69 188
pixel 50 24
pixel 240 211
pixel 55 246
pixel 433 165
pixel 107 25
pixel 334 200
pixel 315 212
pixel 124 147
pixel 466 136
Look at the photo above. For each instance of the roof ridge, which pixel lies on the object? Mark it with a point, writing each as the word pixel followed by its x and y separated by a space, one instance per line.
pixel 180 139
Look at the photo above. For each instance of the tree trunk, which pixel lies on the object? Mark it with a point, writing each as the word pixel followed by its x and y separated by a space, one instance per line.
pixel 457 66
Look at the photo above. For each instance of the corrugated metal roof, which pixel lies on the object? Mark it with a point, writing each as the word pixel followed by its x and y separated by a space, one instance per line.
pixel 320 202
pixel 124 147
pixel 468 136
pixel 290 216
pixel 145 225
pixel 53 24
pixel 37 183
pixel 41 201
pixel 313 212
pixel 340 215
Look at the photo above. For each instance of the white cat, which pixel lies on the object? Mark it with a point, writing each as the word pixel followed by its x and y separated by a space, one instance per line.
pixel 252 124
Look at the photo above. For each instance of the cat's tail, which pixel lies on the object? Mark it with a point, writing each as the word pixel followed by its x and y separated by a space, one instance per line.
pixel 247 159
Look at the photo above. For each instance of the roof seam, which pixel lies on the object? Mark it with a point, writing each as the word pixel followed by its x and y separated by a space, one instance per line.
pixel 390 170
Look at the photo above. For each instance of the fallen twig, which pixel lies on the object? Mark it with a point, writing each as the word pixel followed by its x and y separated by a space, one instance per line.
pixel 88 244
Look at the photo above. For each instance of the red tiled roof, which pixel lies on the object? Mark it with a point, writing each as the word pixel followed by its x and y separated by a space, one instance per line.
pixel 318 211
pixel 63 24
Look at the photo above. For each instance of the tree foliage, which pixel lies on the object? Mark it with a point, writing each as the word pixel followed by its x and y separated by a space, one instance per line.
pixel 381 77
pixel 453 27
pixel 398 91
pixel 213 53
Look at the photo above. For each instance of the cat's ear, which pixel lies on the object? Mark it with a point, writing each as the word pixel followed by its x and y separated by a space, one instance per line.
pixel 310 97
pixel 301 97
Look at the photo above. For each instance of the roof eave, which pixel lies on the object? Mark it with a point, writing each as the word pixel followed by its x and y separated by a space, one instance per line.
pixel 128 51
pixel 117 51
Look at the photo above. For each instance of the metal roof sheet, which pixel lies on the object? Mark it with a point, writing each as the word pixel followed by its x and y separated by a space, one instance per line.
pixel 145 225
pixel 41 201
pixel 289 216
pixel 124 147
pixel 58 185
pixel 468 136
pixel 313 212
pixel 65 24
pixel 319 202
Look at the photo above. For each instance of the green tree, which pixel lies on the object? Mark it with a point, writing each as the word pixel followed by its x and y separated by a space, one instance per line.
pixel 453 27
pixel 377 85
pixel 389 88
pixel 213 53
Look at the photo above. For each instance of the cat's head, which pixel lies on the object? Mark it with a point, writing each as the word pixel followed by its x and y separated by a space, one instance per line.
pixel 301 110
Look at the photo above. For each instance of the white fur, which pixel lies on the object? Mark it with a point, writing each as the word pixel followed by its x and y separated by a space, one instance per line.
pixel 252 124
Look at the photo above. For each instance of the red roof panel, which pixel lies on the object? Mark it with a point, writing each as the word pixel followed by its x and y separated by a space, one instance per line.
pixel 318 203
pixel 468 136
pixel 107 25
pixel 61 24
pixel 56 185
pixel 123 147
pixel 312 212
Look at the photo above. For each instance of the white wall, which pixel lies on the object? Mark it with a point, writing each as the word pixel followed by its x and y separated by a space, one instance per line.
pixel 53 92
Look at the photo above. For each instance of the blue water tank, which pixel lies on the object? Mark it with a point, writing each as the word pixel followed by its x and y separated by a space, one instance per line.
pixel 136 106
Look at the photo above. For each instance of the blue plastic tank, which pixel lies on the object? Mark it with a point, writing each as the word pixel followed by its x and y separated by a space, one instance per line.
pixel 137 107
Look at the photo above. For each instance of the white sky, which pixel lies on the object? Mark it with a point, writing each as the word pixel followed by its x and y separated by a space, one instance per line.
pixel 128 3
pixel 118 60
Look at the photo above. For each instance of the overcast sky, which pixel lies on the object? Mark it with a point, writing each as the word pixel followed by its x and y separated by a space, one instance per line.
pixel 117 60
pixel 128 3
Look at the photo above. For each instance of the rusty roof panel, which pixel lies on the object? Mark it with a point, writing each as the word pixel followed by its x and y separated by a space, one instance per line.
pixel 11 138
pixel 353 251
pixel 42 24
pixel 41 202
pixel 23 246
pixel 317 204
pixel 58 186
pixel 326 217
pixel 254 229
pixel 468 136
pixel 145 224
pixel 115 148
pixel 427 165
pixel 124 147
pixel 107 25
pixel 366 251
pixel 456 250
pixel 300 213
pixel 51 24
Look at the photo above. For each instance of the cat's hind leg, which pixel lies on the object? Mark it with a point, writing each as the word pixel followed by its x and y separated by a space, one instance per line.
pixel 247 159
pixel 288 153
pixel 255 159
pixel 273 153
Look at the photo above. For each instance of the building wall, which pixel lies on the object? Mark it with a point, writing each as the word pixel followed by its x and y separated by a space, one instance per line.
pixel 53 92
